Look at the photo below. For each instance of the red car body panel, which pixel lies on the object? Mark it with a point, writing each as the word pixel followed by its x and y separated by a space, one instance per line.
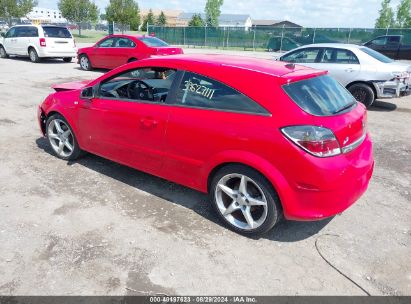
pixel 112 57
pixel 185 145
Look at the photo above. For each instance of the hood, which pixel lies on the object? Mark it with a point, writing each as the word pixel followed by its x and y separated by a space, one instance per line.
pixel 68 86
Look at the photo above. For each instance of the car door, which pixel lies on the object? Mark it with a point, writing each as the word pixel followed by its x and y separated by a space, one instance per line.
pixel 126 121
pixel 341 64
pixel 121 52
pixel 392 46
pixel 207 118
pixel 99 56
pixel 10 41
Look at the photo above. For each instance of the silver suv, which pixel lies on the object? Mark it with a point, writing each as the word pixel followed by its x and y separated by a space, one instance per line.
pixel 38 41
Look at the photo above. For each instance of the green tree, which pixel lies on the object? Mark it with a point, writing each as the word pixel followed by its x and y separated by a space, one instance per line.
pixel 124 12
pixel 196 20
pixel 79 11
pixel 149 19
pixel 10 9
pixel 161 19
pixel 386 18
pixel 212 11
pixel 404 14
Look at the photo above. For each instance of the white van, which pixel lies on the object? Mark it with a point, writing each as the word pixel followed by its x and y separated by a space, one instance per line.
pixel 38 41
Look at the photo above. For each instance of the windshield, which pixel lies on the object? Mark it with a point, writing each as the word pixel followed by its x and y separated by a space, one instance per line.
pixel 321 96
pixel 376 55
pixel 152 41
pixel 56 32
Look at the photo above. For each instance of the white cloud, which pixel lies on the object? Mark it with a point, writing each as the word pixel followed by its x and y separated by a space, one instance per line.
pixel 310 13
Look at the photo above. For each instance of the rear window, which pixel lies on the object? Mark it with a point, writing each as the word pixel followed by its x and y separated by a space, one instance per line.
pixel 152 41
pixel 376 55
pixel 56 32
pixel 321 96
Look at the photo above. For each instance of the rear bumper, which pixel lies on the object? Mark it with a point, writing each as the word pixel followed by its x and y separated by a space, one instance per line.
pixel 57 54
pixel 393 88
pixel 348 181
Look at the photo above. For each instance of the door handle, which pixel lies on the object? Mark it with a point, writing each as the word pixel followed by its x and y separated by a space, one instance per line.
pixel 349 70
pixel 148 122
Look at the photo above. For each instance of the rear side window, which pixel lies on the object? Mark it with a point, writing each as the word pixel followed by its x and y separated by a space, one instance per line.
pixel 26 31
pixel 202 92
pixel 153 41
pixel 124 42
pixel 340 56
pixel 56 32
pixel 321 96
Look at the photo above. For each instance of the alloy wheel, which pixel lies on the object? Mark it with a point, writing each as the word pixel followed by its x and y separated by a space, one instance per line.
pixel 84 63
pixel 60 137
pixel 241 201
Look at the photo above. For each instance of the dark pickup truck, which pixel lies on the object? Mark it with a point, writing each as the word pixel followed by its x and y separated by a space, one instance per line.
pixel 392 46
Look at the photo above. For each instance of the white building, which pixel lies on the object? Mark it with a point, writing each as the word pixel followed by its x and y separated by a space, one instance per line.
pixel 45 15
pixel 225 20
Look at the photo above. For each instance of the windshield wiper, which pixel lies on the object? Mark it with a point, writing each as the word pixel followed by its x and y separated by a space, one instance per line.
pixel 345 108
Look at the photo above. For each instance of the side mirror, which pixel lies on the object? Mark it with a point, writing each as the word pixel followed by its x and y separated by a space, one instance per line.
pixel 3 35
pixel 88 93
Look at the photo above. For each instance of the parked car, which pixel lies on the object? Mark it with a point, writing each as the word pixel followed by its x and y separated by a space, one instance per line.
pixel 296 144
pixel 393 46
pixel 278 43
pixel 38 41
pixel 115 50
pixel 366 73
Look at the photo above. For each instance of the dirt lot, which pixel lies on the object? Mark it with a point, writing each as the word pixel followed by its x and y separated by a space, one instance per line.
pixel 95 227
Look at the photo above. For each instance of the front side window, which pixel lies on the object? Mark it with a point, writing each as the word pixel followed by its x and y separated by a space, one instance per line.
pixel 144 84
pixel 322 96
pixel 308 55
pixel 124 43
pixel 106 43
pixel 202 92
pixel 340 56
pixel 11 33
pixel 379 41
pixel 56 32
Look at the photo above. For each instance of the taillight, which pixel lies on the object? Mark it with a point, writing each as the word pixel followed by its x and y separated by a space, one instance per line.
pixel 318 141
pixel 42 41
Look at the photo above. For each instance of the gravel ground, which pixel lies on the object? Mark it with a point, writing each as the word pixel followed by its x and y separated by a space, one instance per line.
pixel 93 227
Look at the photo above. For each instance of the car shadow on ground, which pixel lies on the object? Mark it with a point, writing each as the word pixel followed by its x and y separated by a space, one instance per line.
pixel 98 70
pixel 382 106
pixel 285 231
pixel 42 61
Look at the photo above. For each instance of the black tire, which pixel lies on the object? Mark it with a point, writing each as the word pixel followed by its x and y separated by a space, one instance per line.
pixel 34 57
pixel 362 93
pixel 85 63
pixel 3 53
pixel 67 59
pixel 76 151
pixel 273 206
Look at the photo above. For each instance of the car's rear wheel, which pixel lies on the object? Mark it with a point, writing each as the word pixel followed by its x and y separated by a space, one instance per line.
pixel 85 63
pixel 61 138
pixel 362 93
pixel 3 53
pixel 34 57
pixel 245 200
pixel 67 59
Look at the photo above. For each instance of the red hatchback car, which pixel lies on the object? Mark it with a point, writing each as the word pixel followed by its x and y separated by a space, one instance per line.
pixel 263 138
pixel 115 50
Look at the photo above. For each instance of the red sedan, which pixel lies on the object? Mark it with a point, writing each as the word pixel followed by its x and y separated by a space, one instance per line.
pixel 263 138
pixel 115 50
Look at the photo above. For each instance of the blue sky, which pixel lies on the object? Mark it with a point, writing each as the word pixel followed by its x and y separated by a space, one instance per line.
pixel 342 13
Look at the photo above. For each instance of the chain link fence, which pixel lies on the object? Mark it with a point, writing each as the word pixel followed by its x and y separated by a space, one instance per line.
pixel 267 38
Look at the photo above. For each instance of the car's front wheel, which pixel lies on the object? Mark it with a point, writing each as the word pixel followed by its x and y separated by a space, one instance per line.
pixel 61 138
pixel 3 53
pixel 85 63
pixel 363 93
pixel 245 200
